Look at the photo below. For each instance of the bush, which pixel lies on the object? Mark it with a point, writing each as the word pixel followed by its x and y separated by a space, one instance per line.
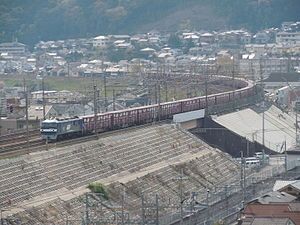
pixel 98 188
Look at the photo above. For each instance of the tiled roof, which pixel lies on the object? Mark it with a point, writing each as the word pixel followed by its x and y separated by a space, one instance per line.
pixel 266 221
pixel 276 197
pixel 274 210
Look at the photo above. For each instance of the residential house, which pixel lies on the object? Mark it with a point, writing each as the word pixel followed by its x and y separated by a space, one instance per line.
pixel 273 210
pixel 35 112
pixel 280 80
pixel 8 125
pixel 207 37
pixel 261 37
pixel 71 110
pixel 100 42
pixel 266 221
pixel 293 157
pixel 114 38
pixel 279 207
pixel 291 187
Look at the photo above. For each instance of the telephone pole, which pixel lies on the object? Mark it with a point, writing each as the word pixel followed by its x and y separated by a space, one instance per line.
pixel 206 88
pixel 263 111
pixel 114 100
pixel 95 109
pixel 105 93
pixel 243 177
pixel 166 89
pixel 159 110
pixel 26 110
pixel 181 178
pixel 43 87
pixel 233 82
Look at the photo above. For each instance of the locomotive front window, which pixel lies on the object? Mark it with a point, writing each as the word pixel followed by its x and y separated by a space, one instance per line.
pixel 49 125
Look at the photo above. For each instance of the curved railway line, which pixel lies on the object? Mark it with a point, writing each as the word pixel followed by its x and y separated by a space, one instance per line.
pixel 17 143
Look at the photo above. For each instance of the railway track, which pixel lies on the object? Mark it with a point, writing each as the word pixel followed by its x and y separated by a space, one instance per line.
pixel 36 145
pixel 21 148
pixel 20 133
pixel 18 137
pixel 19 143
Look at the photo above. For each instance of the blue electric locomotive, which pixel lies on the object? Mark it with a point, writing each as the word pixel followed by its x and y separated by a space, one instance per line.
pixel 56 129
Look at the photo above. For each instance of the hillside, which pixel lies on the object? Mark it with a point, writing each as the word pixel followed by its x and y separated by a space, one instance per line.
pixel 34 20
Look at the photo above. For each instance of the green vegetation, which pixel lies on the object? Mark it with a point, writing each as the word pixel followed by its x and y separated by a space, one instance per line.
pixel 35 20
pixel 98 188
pixel 70 84
pixel 51 83
pixel 174 41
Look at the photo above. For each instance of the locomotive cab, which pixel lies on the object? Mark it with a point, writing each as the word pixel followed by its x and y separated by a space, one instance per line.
pixel 58 129
pixel 49 130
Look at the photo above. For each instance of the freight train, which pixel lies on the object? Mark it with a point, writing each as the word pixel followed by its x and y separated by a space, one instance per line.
pixel 56 129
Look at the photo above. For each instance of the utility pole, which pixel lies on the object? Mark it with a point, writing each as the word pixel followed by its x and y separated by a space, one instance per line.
pixel 95 110
pixel 207 205
pixel 114 100
pixel 87 219
pixel 285 158
pixel 44 107
pixel 263 112
pixel 122 216
pixel 297 108
pixel 226 199
pixel 159 109
pixel 143 210
pixel 248 147
pixel 166 89
pixel 149 95
pixel 155 93
pixel 233 82
pixel 243 177
pixel 26 110
pixel 181 178
pixel 68 64
pixel 105 94
pixel 1 217
pixel 204 72
pixel 157 209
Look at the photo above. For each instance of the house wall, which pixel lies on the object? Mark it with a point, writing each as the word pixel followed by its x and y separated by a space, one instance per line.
pixel 7 126
pixel 293 160
pixel 228 141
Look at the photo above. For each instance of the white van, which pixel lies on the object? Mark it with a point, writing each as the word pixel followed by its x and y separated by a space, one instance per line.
pixel 252 162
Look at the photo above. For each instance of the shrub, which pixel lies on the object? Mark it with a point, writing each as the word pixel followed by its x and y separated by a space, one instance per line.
pixel 98 188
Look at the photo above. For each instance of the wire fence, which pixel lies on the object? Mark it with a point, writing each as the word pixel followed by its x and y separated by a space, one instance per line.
pixel 225 202
pixel 206 207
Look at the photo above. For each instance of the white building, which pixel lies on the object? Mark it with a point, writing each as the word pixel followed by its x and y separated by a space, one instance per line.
pixel 254 66
pixel 100 42
pixel 13 48
pixel 291 38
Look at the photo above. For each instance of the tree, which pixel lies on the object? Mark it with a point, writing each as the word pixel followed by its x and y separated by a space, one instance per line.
pixel 174 41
